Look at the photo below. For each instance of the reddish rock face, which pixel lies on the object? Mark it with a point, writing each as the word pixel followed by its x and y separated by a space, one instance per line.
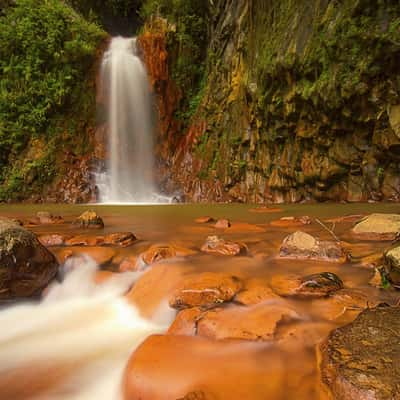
pixel 216 245
pixel 172 367
pixel 205 290
pixel 122 239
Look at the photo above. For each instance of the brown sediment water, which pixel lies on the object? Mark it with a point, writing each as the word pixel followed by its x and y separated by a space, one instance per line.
pixel 168 366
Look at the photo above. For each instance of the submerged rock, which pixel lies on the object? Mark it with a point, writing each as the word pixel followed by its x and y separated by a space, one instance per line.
pixel 216 245
pixel 204 220
pixel 206 290
pixel 26 266
pixel 360 361
pixel 185 322
pixel 54 239
pixel 44 218
pixel 301 245
pixel 292 221
pixel 161 252
pixel 222 224
pixel 378 227
pixel 309 286
pixel 256 291
pixel 89 219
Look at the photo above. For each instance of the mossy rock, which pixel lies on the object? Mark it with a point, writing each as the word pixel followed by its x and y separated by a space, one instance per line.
pixel 26 266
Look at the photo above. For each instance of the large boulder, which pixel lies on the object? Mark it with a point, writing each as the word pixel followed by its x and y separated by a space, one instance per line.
pixel 378 227
pixel 392 264
pixel 301 245
pixel 360 361
pixel 26 266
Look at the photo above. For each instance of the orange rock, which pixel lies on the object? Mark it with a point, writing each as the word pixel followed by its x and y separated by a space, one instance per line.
pixel 250 323
pixel 52 240
pixel 309 286
pixel 156 284
pixel 102 255
pixel 122 239
pixel 206 289
pixel 85 240
pixel 129 264
pixel 204 220
pixel 222 224
pixel 172 367
pixel 216 245
pixel 160 252
pixel 304 333
pixel 185 322
pixel 256 291
pixel 45 217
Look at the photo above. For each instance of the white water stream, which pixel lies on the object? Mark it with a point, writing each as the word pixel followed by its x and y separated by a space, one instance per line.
pixel 79 323
pixel 129 177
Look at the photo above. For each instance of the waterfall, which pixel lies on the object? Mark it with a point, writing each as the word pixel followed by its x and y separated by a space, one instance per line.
pixel 129 175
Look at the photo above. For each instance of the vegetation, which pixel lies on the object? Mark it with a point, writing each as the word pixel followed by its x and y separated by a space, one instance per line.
pixel 46 53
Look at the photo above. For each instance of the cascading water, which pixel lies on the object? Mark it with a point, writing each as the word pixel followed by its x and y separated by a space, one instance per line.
pixel 75 343
pixel 129 175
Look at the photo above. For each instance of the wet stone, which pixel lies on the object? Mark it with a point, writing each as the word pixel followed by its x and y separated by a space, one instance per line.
pixel 309 286
pixel 26 266
pixel 378 227
pixel 216 245
pixel 222 224
pixel 204 220
pixel 360 361
pixel 301 245
pixel 89 219
pixel 392 264
pixel 292 221
pixel 52 240
pixel 205 290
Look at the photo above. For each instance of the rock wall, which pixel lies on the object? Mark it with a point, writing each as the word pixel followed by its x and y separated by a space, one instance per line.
pixel 301 101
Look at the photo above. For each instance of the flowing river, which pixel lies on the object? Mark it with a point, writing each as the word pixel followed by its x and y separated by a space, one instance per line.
pixel 75 342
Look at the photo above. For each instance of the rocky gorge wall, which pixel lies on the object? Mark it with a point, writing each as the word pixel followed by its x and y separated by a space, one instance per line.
pixel 299 100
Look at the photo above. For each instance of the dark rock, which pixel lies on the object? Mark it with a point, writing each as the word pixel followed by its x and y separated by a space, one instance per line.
pixel 26 266
pixel 89 219
pixel 360 361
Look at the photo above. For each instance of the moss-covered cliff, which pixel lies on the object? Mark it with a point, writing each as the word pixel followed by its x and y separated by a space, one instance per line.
pixel 48 56
pixel 288 100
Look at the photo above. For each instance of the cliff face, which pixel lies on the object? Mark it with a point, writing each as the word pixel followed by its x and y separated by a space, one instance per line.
pixel 299 100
